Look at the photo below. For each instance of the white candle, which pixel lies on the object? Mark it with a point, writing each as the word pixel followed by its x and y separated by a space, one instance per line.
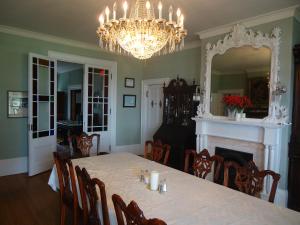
pixel 154 179
pixel 148 9
pixel 182 21
pixel 159 10
pixel 107 14
pixel 125 7
pixel 170 14
pixel 178 16
pixel 114 11
pixel 101 19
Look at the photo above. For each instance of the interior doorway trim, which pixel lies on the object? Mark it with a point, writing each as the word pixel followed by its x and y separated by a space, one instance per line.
pixel 145 86
pixel 111 65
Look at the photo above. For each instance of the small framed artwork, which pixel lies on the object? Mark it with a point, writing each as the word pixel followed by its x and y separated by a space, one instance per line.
pixel 129 82
pixel 17 102
pixel 129 101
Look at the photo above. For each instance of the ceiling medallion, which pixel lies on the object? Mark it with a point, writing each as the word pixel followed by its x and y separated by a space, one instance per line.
pixel 141 34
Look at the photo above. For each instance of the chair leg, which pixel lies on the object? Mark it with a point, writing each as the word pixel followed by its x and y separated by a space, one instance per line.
pixel 75 216
pixel 63 210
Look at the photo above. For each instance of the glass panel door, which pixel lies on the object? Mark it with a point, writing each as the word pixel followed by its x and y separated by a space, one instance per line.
pixel 41 118
pixel 98 104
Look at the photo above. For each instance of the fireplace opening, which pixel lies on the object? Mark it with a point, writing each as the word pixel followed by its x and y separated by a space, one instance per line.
pixel 232 155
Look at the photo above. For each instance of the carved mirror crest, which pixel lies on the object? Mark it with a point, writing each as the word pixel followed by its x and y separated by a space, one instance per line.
pixel 244 63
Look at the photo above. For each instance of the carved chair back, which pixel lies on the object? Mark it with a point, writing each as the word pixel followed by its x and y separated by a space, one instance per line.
pixel 132 213
pixel 84 144
pixel 159 152
pixel 203 163
pixel 249 179
pixel 67 186
pixel 89 198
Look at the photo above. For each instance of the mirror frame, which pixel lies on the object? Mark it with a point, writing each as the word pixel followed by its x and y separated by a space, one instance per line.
pixel 240 36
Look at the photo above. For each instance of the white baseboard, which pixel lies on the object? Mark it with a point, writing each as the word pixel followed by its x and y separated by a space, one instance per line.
pixel 136 149
pixel 13 166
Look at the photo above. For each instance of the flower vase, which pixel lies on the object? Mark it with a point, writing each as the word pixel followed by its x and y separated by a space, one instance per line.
pixel 238 116
pixel 231 113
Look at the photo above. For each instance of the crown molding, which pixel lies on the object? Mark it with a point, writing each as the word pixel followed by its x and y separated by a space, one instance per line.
pixel 252 21
pixel 49 38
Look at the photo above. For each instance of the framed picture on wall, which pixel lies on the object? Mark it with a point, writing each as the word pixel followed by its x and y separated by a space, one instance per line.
pixel 17 102
pixel 129 101
pixel 129 82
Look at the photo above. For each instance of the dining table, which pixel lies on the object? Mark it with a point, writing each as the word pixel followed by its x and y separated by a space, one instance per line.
pixel 189 200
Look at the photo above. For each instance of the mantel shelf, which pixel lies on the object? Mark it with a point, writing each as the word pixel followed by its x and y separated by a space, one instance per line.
pixel 242 122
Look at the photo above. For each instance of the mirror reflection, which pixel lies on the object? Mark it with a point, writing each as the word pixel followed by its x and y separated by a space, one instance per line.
pixel 243 71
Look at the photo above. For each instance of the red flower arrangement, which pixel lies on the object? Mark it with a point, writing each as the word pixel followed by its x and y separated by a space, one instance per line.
pixel 237 102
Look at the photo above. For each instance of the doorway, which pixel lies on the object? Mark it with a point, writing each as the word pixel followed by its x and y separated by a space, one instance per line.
pixel 95 109
pixel 69 101
pixel 152 106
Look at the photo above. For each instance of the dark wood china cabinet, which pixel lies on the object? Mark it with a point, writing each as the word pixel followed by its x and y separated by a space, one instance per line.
pixel 294 151
pixel 178 129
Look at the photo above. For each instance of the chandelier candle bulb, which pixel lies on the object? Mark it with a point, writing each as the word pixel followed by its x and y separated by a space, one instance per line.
pixel 170 14
pixel 125 7
pixel 182 21
pixel 107 14
pixel 178 16
pixel 114 11
pixel 148 9
pixel 159 10
pixel 101 19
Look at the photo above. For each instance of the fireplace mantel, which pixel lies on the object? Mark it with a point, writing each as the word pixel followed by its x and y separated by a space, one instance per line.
pixel 249 130
pixel 246 130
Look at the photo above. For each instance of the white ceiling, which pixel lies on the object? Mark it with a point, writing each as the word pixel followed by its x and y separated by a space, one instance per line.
pixel 77 19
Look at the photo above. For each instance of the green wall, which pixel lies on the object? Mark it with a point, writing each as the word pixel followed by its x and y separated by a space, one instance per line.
pixel 13 76
pixel 185 64
pixel 285 74
pixel 74 77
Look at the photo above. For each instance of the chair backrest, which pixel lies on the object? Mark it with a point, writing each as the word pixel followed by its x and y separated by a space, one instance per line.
pixel 159 152
pixel 132 213
pixel 66 174
pixel 249 179
pixel 83 143
pixel 89 198
pixel 203 163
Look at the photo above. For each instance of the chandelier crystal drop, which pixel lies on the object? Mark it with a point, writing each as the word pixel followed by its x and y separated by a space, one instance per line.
pixel 141 34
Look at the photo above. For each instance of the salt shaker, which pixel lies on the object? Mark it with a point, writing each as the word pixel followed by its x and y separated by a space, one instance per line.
pixel 146 177
pixel 142 176
pixel 164 186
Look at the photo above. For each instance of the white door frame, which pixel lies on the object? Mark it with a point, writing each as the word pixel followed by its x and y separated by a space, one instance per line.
pixel 112 66
pixel 145 86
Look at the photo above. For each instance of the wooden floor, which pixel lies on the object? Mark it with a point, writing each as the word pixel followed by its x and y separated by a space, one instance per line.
pixel 28 201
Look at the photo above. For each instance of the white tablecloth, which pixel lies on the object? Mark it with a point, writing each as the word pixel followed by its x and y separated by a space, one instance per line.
pixel 188 201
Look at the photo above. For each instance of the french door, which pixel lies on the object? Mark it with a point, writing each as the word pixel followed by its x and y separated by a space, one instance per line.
pixel 97 105
pixel 41 113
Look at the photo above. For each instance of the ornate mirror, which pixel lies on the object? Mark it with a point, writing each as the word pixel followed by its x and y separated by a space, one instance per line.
pixel 244 63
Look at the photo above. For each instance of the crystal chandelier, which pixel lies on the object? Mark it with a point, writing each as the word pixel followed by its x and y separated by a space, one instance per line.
pixel 141 34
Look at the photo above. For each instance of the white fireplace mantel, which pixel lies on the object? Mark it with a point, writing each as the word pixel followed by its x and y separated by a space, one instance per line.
pixel 248 130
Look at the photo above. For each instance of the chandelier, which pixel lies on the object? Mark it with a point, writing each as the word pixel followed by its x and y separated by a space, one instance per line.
pixel 141 34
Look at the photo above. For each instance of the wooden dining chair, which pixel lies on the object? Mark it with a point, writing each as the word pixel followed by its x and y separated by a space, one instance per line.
pixel 132 213
pixel 203 163
pixel 248 179
pixel 68 191
pixel 83 143
pixel 89 198
pixel 158 152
